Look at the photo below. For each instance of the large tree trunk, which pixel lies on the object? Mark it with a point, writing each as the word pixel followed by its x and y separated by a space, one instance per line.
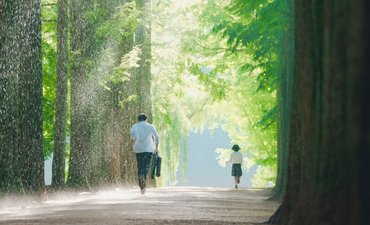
pixel 61 96
pixel 97 123
pixel 328 180
pixel 30 96
pixel 21 72
pixel 119 158
pixel 284 103
pixel 80 117
pixel 9 76
pixel 112 136
pixel 129 117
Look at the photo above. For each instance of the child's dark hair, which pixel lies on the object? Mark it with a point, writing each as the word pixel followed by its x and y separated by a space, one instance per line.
pixel 235 148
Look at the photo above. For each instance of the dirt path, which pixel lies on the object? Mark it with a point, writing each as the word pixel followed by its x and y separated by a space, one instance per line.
pixel 162 206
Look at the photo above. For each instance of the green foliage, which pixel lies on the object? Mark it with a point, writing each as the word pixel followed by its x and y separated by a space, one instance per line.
pixel 233 50
pixel 114 29
pixel 179 101
pixel 214 63
pixel 268 119
pixel 258 27
pixel 49 40
pixel 49 96
pixel 212 80
pixel 119 26
pixel 232 55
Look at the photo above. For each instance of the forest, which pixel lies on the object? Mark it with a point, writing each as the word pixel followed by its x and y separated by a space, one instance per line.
pixel 103 62
pixel 287 80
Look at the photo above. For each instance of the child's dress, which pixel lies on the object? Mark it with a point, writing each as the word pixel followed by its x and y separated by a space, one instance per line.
pixel 236 158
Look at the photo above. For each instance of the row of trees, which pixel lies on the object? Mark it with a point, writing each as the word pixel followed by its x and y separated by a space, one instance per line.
pixel 240 52
pixel 96 76
pixel 102 62
pixel 321 84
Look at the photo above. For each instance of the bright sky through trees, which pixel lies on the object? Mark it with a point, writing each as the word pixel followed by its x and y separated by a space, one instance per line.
pixel 199 83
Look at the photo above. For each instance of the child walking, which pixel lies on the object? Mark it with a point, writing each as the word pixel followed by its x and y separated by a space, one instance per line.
pixel 236 158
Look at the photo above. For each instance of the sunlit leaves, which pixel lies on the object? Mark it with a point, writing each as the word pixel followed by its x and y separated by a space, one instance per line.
pixel 240 75
pixel 233 52
pixel 258 28
pixel 122 72
pixel 213 81
pixel 120 25
pixel 49 39
pixel 268 118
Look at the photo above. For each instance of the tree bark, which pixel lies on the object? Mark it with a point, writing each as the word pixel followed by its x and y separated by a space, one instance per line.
pixel 96 114
pixel 329 134
pixel 284 103
pixel 61 96
pixel 9 76
pixel 77 175
pixel 21 71
pixel 30 95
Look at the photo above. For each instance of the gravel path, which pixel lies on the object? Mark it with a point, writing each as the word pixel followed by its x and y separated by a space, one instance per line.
pixel 162 206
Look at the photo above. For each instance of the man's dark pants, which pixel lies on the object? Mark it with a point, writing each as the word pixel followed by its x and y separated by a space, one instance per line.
pixel 143 163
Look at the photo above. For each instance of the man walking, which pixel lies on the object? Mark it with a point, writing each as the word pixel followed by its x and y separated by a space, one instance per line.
pixel 145 141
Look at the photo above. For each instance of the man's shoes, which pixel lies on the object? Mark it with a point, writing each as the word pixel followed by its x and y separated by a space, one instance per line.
pixel 143 191
pixel 236 186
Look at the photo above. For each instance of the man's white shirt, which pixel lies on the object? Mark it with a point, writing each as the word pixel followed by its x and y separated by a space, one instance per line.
pixel 145 136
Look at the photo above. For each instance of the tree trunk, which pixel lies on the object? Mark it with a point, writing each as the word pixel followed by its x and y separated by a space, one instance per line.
pixel 328 178
pixel 30 91
pixel 129 117
pixel 96 114
pixel 21 71
pixel 284 103
pixel 77 175
pixel 61 96
pixel 9 76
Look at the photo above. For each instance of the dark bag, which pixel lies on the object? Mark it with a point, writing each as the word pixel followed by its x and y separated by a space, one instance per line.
pixel 156 166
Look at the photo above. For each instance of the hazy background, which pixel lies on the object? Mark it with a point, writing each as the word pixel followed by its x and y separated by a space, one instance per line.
pixel 202 166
